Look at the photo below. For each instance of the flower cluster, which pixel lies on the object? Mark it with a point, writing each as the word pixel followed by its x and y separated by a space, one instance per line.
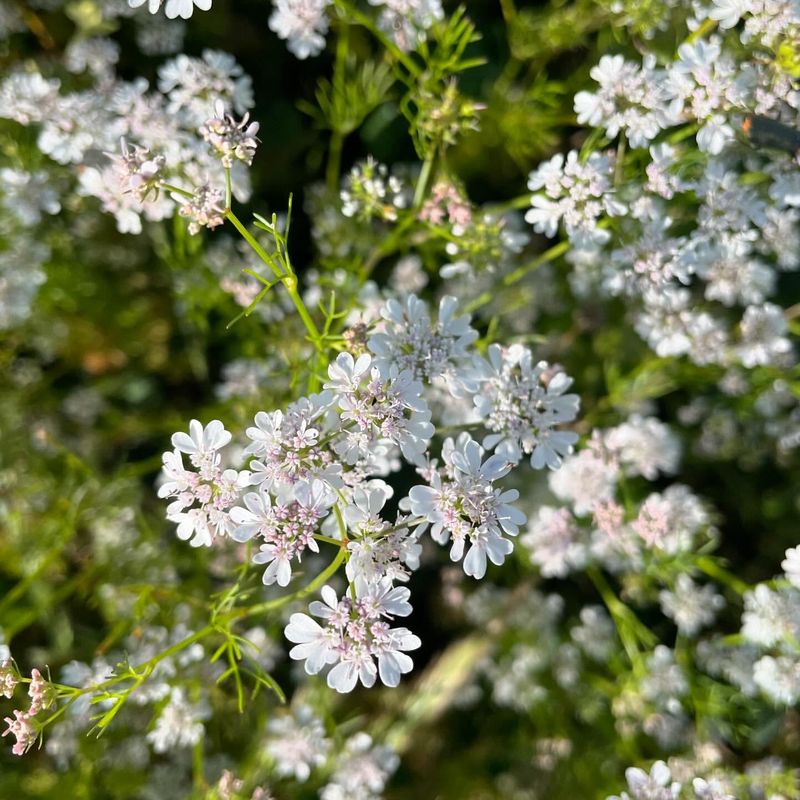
pixel 463 506
pixel 203 496
pixel 320 465
pixel 576 192
pixel 378 410
pixel 521 403
pixel 370 192
pixel 286 527
pixel 139 171
pixel 355 635
pixel 71 126
pixel 22 726
pixel 704 244
pixel 173 8
pixel 303 23
pixel 229 139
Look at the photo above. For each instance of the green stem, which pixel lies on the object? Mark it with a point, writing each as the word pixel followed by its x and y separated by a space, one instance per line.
pixel 424 176
pixel 288 280
pixel 257 248
pixel 312 587
pixel 629 628
pixel 713 569
pixel 328 539
pixel 518 274
pixel 138 674
pixel 545 258
pixel 522 201
pixel 367 22
pixel 177 190
pixel 228 188
pixel 707 26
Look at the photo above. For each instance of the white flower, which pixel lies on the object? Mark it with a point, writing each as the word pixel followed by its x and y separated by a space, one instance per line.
pixel 377 409
pixel 462 505
pixel 184 8
pixel 213 489
pixel 763 339
pixel 710 790
pixel 173 8
pixel 692 607
pixel 585 479
pixel 771 615
pixel 791 566
pixel 377 550
pixel 298 743
pixel 371 192
pixel 578 192
pixel 201 441
pixel 644 446
pixel 287 526
pixel 229 139
pixel 303 22
pixel 355 636
pixel 630 98
pixel 362 770
pixel 554 543
pixel 658 785
pixel 409 341
pixel 152 5
pixel 287 449
pixel 728 12
pixel 205 208
pixel 522 403
pixel 179 724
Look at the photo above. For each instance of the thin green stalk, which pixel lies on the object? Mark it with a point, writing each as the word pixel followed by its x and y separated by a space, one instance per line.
pixel 312 587
pixel 545 258
pixel 328 539
pixel 288 280
pixel 518 274
pixel 629 628
pixel 257 248
pixel 177 189
pixel 707 26
pixel 713 569
pixel 368 23
pixel 424 177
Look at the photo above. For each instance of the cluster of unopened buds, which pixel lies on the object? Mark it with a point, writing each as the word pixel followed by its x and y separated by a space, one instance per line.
pixel 140 172
pixel 22 726
pixel 231 140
